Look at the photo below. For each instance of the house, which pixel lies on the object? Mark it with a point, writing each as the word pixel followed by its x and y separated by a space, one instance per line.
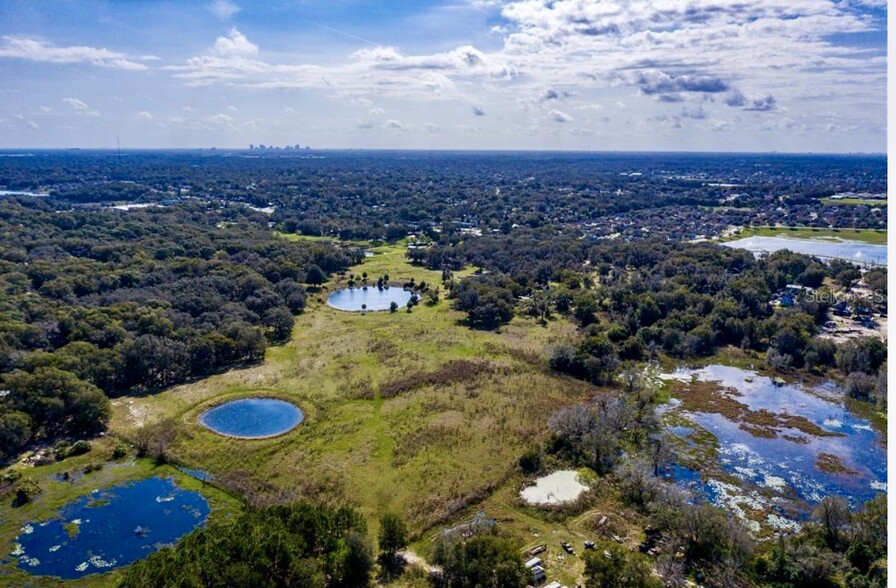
pixel 554 585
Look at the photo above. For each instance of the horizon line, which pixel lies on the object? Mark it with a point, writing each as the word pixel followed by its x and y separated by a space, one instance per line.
pixel 303 149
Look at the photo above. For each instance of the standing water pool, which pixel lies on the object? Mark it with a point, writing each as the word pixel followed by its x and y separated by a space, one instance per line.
pixel 370 298
pixel 110 528
pixel 252 418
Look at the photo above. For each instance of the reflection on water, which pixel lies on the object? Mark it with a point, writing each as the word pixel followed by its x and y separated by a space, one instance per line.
pixel 252 418
pixel 369 298
pixel 110 528
pixel 809 445
pixel 855 251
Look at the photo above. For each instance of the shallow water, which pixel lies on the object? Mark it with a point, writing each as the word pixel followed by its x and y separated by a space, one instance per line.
pixel 352 299
pixel 783 468
pixel 252 418
pixel 110 528
pixel 200 475
pixel 561 486
pixel 856 251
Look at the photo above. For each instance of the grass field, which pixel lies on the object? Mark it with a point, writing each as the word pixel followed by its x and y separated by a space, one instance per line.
pixel 872 236
pixel 852 201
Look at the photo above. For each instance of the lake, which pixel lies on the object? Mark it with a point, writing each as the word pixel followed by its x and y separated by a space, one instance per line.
pixel 785 446
pixel 252 418
pixel 110 528
pixel 371 299
pixel 855 251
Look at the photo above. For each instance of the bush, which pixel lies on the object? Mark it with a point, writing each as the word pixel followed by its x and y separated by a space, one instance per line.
pixel 25 492
pixel 120 451
pixel 60 450
pixel 79 448
pixel 530 462
pixel 861 386
pixel 10 476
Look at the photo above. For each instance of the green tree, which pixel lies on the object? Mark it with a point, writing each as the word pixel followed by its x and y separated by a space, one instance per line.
pixel 15 431
pixel 315 276
pixel 613 566
pixel 299 545
pixel 483 561
pixel 393 535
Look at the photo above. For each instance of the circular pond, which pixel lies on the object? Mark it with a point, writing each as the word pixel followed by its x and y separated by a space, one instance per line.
pixel 371 298
pixel 252 418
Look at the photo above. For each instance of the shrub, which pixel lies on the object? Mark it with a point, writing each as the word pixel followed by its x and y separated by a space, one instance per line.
pixel 120 450
pixel 79 448
pixel 60 450
pixel 861 386
pixel 25 492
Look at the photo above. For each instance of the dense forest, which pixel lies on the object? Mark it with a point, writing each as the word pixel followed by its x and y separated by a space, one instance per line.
pixel 376 195
pixel 96 303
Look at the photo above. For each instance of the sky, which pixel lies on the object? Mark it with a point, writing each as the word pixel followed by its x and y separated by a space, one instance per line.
pixel 604 75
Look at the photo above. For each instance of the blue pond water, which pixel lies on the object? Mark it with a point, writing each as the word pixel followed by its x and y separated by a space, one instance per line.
pixel 784 467
pixel 855 251
pixel 110 528
pixel 357 299
pixel 252 418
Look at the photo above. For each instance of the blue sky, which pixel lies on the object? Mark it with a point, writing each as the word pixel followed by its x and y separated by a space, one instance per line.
pixel 707 75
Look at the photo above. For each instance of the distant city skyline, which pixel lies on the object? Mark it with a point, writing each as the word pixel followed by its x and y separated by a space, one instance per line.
pixel 608 75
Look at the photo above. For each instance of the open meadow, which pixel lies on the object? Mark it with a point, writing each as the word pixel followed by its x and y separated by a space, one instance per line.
pixel 413 413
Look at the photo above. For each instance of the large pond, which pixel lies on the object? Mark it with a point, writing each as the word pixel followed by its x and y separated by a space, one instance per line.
pixel 110 528
pixel 557 488
pixel 770 451
pixel 855 251
pixel 252 418
pixel 371 298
